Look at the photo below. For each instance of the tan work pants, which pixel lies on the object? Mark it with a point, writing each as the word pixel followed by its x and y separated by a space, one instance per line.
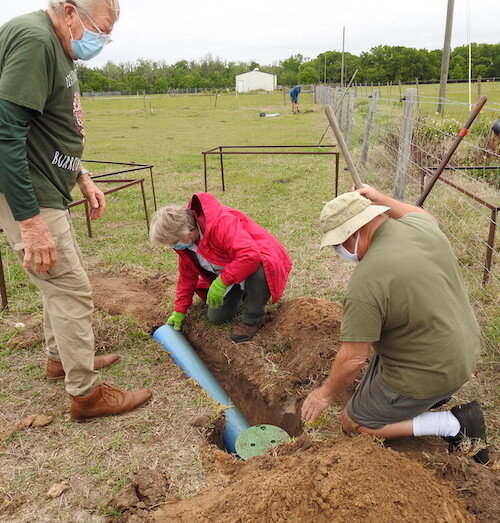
pixel 66 297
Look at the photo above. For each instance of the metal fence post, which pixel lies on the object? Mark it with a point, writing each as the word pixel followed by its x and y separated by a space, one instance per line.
pixel 350 117
pixel 369 125
pixel 405 137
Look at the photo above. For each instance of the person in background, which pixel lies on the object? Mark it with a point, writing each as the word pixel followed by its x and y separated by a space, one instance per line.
pixel 41 144
pixel 294 95
pixel 408 301
pixel 224 257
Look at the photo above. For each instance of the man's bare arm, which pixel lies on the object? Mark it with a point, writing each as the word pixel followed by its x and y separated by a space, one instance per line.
pixel 347 365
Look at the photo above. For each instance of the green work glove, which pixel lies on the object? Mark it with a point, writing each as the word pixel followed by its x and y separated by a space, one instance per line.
pixel 176 319
pixel 215 295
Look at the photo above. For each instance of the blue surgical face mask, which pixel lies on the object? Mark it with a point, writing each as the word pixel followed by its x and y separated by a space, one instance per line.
pixel 181 246
pixel 345 254
pixel 90 44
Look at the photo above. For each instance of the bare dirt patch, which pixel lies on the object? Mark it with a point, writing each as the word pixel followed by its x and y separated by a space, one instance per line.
pixel 132 294
pixel 350 480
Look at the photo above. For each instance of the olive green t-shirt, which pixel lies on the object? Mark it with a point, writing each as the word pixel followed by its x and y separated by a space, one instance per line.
pixel 35 73
pixel 407 296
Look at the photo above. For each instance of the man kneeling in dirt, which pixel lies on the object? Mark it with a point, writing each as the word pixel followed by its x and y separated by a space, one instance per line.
pixel 407 299
pixel 224 257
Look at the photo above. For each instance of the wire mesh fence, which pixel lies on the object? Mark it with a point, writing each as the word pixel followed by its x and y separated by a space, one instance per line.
pixel 397 142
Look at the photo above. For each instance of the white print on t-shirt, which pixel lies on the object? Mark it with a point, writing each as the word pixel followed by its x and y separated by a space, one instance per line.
pixel 71 79
pixel 64 161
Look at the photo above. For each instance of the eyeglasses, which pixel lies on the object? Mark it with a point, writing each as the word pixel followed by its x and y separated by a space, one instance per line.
pixel 106 38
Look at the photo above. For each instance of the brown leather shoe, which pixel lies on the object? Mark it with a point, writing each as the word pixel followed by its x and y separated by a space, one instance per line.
pixel 106 400
pixel 56 372
pixel 245 331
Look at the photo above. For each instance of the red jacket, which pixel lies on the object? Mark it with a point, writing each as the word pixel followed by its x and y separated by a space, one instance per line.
pixel 234 241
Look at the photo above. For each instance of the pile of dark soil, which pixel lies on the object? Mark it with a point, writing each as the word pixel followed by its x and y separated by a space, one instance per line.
pixel 351 480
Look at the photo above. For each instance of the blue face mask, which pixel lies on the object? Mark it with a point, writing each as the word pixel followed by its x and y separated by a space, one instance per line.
pixel 181 246
pixel 90 44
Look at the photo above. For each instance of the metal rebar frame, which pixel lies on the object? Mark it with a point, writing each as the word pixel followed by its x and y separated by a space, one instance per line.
pixel 133 167
pixel 3 287
pixel 124 185
pixel 490 242
pixel 221 152
pixel 98 178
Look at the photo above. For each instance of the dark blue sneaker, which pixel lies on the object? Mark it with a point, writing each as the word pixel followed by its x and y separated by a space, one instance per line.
pixel 472 427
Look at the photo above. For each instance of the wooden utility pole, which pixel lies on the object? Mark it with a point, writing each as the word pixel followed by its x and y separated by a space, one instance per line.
pixel 445 61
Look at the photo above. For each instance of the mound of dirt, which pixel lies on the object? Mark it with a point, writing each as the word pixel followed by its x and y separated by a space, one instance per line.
pixel 131 294
pixel 351 480
pixel 313 327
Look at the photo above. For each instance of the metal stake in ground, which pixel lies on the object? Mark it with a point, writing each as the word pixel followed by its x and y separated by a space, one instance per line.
pixel 343 146
pixel 462 133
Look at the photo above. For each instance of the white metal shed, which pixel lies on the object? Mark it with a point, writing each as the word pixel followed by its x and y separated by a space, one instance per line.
pixel 255 80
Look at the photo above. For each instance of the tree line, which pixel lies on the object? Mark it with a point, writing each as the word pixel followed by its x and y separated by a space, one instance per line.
pixel 381 64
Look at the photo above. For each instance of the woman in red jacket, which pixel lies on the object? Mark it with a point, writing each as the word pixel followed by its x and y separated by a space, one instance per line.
pixel 224 257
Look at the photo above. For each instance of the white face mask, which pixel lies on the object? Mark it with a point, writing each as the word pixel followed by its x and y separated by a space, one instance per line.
pixel 345 254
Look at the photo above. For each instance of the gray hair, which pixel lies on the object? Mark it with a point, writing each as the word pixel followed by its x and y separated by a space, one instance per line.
pixel 87 6
pixel 171 223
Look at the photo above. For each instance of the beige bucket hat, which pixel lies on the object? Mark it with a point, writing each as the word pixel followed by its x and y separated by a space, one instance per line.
pixel 344 215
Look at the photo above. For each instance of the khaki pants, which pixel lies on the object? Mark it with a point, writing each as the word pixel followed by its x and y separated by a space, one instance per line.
pixel 66 298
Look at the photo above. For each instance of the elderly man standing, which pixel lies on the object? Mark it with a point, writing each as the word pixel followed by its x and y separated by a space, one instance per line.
pixel 407 299
pixel 41 143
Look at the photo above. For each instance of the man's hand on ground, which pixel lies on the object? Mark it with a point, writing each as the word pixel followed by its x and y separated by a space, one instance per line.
pixel 94 195
pixel 39 246
pixel 317 401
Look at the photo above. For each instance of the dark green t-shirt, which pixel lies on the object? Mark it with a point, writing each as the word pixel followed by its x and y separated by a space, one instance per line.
pixel 36 73
pixel 407 296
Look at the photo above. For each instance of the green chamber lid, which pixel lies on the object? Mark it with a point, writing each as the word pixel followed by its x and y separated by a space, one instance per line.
pixel 257 440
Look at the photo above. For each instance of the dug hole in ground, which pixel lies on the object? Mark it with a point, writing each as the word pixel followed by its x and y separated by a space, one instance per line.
pixel 322 475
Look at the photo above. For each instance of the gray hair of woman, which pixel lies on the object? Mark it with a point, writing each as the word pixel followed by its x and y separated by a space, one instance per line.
pixel 170 224
pixel 87 6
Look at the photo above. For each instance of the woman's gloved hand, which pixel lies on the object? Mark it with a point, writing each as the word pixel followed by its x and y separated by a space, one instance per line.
pixel 215 296
pixel 176 319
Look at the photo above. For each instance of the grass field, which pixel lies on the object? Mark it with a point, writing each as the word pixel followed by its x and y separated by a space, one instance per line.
pixel 283 193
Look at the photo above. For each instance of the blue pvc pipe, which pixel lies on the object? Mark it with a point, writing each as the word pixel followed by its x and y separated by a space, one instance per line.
pixel 184 355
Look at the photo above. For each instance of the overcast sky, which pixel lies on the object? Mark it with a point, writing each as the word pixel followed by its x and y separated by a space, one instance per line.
pixel 268 31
